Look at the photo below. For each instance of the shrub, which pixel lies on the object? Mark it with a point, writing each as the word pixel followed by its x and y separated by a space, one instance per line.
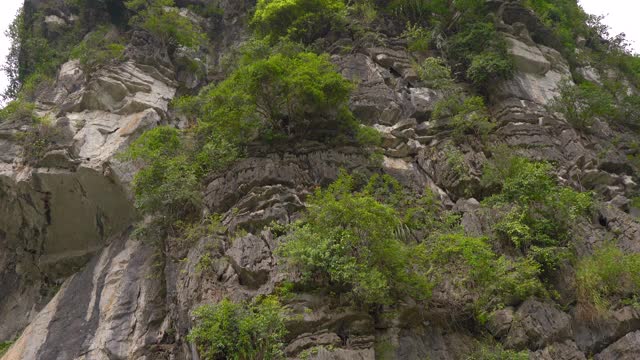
pixel 348 242
pixel 581 104
pixel 167 185
pixel 482 51
pixel 497 352
pixel 162 19
pixel 497 280
pixel 607 277
pixel 4 347
pixel 282 95
pixel 99 48
pixel 469 116
pixel 37 140
pixel 242 331
pixel 435 74
pixel 32 56
pixel 418 38
pixel 488 66
pixel 539 212
pixel 364 10
pixel 19 111
pixel 299 20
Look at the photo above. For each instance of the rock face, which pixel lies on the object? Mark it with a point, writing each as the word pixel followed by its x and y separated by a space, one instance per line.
pixel 76 285
pixel 61 211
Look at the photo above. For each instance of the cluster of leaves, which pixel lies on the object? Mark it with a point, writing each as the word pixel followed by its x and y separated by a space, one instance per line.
pixel 281 94
pixel 162 19
pixel 497 352
pixel 33 59
pixel 565 17
pixel 378 243
pixel 350 242
pixel 37 140
pixel 242 331
pixel 18 110
pixel 99 48
pixel 581 104
pixel 538 212
pixel 472 42
pixel 482 51
pixel 4 347
pixel 496 279
pixel 435 74
pixel 608 277
pixel 468 115
pixel 297 20
pixel 168 185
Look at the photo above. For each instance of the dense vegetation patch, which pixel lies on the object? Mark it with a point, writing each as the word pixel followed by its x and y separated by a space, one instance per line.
pixel 465 33
pixel 242 331
pixel 298 20
pixel 378 243
pixel 162 19
pixel 99 48
pixel 4 347
pixel 350 242
pixel 538 212
pixel 608 277
pixel 280 95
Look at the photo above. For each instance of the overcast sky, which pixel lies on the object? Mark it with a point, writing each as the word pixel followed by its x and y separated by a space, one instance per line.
pixel 621 15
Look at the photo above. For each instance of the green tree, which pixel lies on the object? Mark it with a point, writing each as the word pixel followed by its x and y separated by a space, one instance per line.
pixel 582 104
pixel 299 20
pixel 538 213
pixel 281 95
pixel 167 186
pixel 349 242
pixel 162 19
pixel 240 331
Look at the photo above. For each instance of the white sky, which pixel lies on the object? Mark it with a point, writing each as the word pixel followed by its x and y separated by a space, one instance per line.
pixel 622 16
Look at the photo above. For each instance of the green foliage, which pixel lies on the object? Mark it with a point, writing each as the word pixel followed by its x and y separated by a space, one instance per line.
pixel 167 185
pixel 349 242
pixel 298 20
pixel 581 104
pixel 488 66
pixel 482 51
pixel 606 277
pixel 418 38
pixel 4 347
pixel 497 352
pixel 281 95
pixel 538 213
pixel 37 140
pixel 469 115
pixel 435 73
pixel 18 111
pixel 363 10
pixel 497 280
pixel 33 58
pixel 240 331
pixel 99 48
pixel 565 17
pixel 162 19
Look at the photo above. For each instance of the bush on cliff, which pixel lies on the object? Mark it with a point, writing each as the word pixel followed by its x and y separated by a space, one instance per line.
pixel 608 277
pixel 242 331
pixel 349 242
pixel 162 19
pixel 298 20
pixel 537 212
pixel 281 95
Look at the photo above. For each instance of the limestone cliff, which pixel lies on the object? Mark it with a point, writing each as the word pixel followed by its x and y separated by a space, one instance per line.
pixel 75 284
